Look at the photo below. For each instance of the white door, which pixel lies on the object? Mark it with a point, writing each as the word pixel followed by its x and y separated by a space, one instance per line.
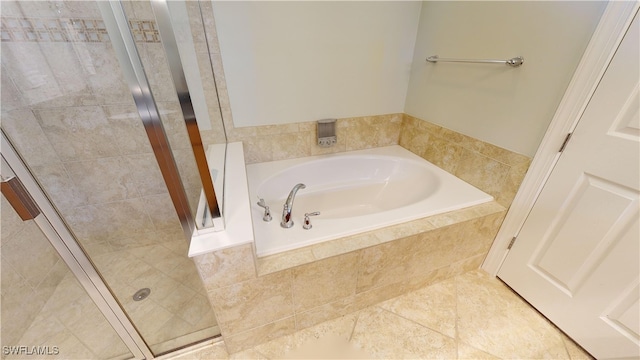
pixel 577 257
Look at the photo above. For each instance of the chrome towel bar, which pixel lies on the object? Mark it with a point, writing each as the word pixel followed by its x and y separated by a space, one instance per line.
pixel 515 62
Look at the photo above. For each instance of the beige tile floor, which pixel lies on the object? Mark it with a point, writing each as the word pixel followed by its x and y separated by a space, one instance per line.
pixel 471 316
pixel 177 311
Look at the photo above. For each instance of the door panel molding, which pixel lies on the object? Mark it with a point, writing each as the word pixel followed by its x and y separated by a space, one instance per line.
pixel 590 194
pixel 613 25
pixel 584 228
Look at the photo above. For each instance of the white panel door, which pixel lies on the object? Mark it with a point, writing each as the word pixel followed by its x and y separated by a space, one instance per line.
pixel 577 257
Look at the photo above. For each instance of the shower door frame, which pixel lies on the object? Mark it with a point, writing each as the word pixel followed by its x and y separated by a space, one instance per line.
pixel 117 25
pixel 53 227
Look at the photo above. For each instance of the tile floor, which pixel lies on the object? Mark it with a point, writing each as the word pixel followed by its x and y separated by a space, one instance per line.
pixel 177 311
pixel 471 316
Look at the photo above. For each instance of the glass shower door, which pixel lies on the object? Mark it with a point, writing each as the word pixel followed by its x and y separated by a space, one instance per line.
pixel 46 313
pixel 68 110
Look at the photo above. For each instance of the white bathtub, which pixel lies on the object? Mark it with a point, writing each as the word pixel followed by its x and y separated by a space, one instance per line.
pixel 355 191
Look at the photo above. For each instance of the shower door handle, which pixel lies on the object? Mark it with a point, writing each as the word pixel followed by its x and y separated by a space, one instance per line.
pixel 19 198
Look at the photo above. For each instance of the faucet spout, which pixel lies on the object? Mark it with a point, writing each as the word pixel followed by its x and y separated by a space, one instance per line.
pixel 287 221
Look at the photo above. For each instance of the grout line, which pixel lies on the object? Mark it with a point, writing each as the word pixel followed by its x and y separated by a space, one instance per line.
pixel 417 323
pixel 457 333
pixel 355 323
pixel 293 300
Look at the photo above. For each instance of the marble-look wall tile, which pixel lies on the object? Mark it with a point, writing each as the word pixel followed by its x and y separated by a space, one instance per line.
pixel 66 60
pixel 372 131
pixel 95 223
pixel 253 303
pixel 66 9
pixel 102 180
pixel 128 129
pixel 291 145
pixel 78 133
pixel 277 262
pixel 328 311
pixel 287 141
pixel 174 125
pixel 512 182
pixel 27 66
pixel 482 172
pixel 11 98
pixel 327 288
pixel 385 264
pixel 105 75
pixel 59 186
pixel 25 132
pixel 379 294
pixel 494 170
pixel 324 281
pixel 144 173
pixel 226 267
pixel 161 212
pixel 160 80
pixel 477 237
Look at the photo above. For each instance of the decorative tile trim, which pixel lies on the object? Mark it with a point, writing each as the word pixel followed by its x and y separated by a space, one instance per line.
pixel 144 31
pixel 20 29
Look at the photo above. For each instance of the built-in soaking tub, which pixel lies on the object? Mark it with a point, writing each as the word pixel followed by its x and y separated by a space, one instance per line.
pixel 354 192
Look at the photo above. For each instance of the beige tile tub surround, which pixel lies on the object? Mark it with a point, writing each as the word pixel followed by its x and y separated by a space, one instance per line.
pixel 288 141
pixel 256 300
pixel 259 299
pixel 492 169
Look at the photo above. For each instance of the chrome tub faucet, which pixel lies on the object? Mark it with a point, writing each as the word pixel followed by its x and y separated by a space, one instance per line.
pixel 287 221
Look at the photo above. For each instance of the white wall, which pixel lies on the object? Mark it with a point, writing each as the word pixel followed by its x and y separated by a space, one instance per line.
pixel 301 61
pixel 508 107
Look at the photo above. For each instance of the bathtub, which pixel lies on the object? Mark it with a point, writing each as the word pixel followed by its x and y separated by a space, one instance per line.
pixel 354 192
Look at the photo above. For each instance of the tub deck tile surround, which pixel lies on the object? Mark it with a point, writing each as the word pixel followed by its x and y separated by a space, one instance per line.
pixel 285 260
pixel 259 299
pixel 495 170
pixel 303 288
pixel 278 142
pixel 492 169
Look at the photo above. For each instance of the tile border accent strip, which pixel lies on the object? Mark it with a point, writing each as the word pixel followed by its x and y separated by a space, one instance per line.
pixel 27 29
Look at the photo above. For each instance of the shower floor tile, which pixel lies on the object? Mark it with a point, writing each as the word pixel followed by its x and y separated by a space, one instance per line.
pixel 471 316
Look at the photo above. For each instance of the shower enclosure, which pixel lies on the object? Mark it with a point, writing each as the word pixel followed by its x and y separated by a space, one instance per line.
pixel 107 110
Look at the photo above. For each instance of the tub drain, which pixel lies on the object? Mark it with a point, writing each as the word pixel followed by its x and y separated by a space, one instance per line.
pixel 141 294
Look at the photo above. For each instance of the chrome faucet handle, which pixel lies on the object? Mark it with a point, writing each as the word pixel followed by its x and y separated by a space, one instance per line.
pixel 267 213
pixel 307 222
